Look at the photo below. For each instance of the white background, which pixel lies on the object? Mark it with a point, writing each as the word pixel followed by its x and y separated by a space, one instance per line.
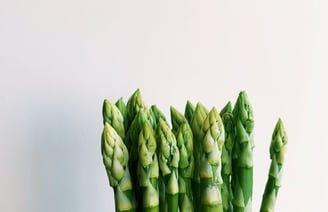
pixel 60 59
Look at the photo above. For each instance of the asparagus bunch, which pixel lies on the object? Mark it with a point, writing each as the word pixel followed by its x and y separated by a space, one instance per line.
pixel 203 163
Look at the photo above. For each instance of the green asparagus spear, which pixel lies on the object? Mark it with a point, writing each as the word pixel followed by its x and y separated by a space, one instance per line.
pixel 122 107
pixel 189 111
pixel 115 158
pixel 177 119
pixel 113 116
pixel 226 109
pixel 196 124
pixel 210 163
pixel 186 167
pixel 242 161
pixel 184 139
pixel 155 114
pixel 132 138
pixel 134 105
pixel 277 155
pixel 132 134
pixel 168 157
pixel 147 169
pixel 227 119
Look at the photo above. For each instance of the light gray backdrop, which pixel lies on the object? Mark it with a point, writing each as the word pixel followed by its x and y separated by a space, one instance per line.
pixel 60 59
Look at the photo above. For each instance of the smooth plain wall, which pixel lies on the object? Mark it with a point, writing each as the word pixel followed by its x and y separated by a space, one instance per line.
pixel 60 59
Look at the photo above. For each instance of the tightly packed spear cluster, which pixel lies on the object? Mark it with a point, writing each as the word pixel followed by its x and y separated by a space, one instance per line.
pixel 204 162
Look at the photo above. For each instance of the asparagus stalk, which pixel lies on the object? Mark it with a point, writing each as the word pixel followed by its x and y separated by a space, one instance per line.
pixel 132 134
pixel 242 162
pixel 196 124
pixel 226 171
pixel 122 107
pixel 210 166
pixel 168 163
pixel 155 114
pixel 147 169
pixel 277 155
pixel 184 138
pixel 177 119
pixel 189 111
pixel 113 116
pixel 134 105
pixel 132 138
pixel 115 158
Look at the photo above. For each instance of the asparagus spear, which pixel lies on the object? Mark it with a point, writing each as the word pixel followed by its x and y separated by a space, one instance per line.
pixel 113 116
pixel 147 169
pixel 196 125
pixel 226 115
pixel 115 158
pixel 122 107
pixel 155 114
pixel 134 105
pixel 168 157
pixel 189 111
pixel 132 134
pixel 184 138
pixel 277 155
pixel 210 163
pixel 242 162
pixel 177 119
pixel 132 138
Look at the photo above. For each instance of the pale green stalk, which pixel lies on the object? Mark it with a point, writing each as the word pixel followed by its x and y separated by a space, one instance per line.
pixel 210 163
pixel 147 169
pixel 168 157
pixel 113 116
pixel 115 158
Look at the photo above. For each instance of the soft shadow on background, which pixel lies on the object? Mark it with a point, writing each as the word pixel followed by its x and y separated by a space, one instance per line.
pixel 51 155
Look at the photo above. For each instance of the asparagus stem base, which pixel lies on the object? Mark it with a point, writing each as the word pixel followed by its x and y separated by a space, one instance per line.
pixel 196 194
pixel 172 202
pixel 213 208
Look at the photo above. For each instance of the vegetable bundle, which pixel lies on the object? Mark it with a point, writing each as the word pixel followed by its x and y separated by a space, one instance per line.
pixel 203 163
